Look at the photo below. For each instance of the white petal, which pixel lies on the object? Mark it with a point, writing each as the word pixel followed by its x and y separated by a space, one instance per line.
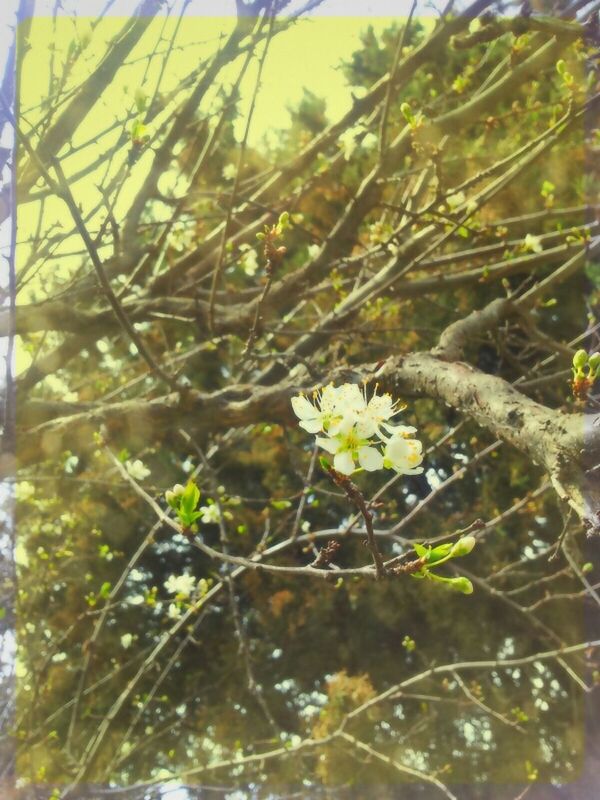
pixel 331 445
pixel 345 425
pixel 329 397
pixel 399 430
pixel 344 463
pixel 370 458
pixel 366 427
pixel 352 397
pixel 302 408
pixel 311 425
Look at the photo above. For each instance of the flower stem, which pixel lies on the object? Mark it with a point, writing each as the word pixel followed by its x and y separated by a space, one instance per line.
pixel 354 494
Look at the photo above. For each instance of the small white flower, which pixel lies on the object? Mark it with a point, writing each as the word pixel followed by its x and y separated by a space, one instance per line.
pixel 313 250
pixel 229 172
pixel 210 514
pixel 355 430
pixel 533 244
pixel 404 455
pixel 58 657
pixel 174 612
pixel 379 410
pixel 137 600
pixel 182 585
pixel 126 640
pixel 348 446
pixel 249 262
pixel 137 469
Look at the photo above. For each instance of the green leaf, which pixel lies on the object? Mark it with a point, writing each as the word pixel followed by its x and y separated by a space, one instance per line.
pixel 190 498
pixel 104 590
pixel 439 552
pixel 420 550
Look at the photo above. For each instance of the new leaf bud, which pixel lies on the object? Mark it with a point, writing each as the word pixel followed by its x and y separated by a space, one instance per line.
pixel 580 359
pixel 463 585
pixel 464 546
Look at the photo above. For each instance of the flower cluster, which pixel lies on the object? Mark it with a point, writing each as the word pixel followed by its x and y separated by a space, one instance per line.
pixel 357 430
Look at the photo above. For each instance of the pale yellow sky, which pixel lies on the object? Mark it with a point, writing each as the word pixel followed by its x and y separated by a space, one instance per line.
pixel 306 55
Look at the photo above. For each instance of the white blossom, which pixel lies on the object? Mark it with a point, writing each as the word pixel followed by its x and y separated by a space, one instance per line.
pixel 229 172
pixel 137 469
pixel 137 600
pixel 347 447
pixel 404 455
pixel 210 514
pixel 358 432
pixel 182 585
pixel 349 140
pixel 533 244
pixel 174 612
pixel 58 657
pixel 126 640
pixel 249 260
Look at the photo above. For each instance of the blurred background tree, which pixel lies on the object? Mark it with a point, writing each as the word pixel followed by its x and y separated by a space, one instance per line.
pixel 153 347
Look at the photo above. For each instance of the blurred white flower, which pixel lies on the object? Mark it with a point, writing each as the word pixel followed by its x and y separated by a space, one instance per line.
pixel 313 250
pixel 182 585
pixel 58 657
pixel 355 138
pixel 229 172
pixel 249 260
pixel 126 640
pixel 174 612
pixel 210 514
pixel 533 244
pixel 137 600
pixel 137 469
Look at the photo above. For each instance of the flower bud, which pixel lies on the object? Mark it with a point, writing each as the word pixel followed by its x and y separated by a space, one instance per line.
pixel 171 498
pixel 580 359
pixel 178 489
pixel 463 585
pixel 594 362
pixel 464 546
pixel 406 112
